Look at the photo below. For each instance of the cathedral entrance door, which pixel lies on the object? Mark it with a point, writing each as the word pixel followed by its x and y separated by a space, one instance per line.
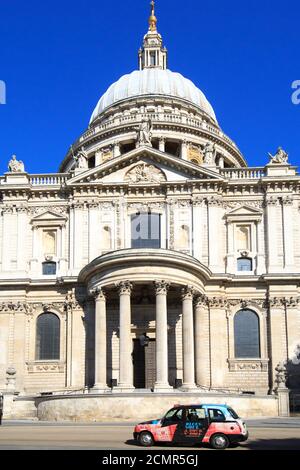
pixel 144 368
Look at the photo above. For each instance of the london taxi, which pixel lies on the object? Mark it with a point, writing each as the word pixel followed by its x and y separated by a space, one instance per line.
pixel 217 425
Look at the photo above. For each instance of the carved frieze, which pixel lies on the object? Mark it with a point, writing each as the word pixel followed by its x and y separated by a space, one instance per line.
pixel 237 204
pixel 45 367
pixel 217 302
pixel 241 365
pixel 56 210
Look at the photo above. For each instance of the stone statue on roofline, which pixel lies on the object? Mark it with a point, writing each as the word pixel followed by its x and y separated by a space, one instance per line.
pixel 144 133
pixel 210 154
pixel 281 157
pixel 16 166
pixel 81 159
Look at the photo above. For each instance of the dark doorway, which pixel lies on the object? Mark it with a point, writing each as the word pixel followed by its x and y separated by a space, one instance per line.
pixel 144 368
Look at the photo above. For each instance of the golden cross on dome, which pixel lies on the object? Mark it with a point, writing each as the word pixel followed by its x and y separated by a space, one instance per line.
pixel 152 19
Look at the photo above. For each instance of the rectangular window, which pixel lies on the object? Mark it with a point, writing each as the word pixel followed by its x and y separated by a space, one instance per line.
pixel 145 230
pixel 49 269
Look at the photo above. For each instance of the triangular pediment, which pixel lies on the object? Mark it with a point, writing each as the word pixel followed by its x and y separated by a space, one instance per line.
pixel 48 216
pixel 141 166
pixel 244 213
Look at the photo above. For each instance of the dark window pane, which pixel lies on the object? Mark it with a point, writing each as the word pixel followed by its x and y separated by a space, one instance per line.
pixel 244 264
pixel 246 334
pixel 48 337
pixel 49 268
pixel 145 231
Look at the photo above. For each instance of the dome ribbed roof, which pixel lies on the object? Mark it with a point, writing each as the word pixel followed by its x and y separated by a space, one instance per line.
pixel 153 82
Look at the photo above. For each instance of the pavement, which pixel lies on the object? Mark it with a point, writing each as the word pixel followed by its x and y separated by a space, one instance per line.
pixel 265 434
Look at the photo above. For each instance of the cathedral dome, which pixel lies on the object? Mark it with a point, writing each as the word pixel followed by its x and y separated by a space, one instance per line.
pixel 153 82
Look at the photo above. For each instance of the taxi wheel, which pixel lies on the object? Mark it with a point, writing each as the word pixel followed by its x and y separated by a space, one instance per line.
pixel 146 439
pixel 219 441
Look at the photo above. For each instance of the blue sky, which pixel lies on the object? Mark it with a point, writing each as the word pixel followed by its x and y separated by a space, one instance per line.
pixel 58 57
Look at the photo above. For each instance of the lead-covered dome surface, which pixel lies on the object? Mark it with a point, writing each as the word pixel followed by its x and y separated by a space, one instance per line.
pixel 153 82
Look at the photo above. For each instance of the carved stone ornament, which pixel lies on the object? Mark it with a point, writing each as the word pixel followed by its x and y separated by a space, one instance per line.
pixel 215 201
pixel 272 201
pixel 281 375
pixel 255 365
pixel 98 293
pixel 45 367
pixel 11 378
pixel 287 201
pixel 125 288
pixel 145 173
pixel 161 287
pixel 187 293
pixel 16 166
pixel 280 157
pixel 201 301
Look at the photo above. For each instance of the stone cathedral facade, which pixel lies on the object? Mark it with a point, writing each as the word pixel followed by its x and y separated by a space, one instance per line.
pixel 155 259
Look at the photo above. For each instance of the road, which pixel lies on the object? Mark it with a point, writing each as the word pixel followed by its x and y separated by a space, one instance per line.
pixel 265 434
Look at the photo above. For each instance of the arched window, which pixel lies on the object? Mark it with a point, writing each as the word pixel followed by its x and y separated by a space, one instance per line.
pixel 246 334
pixel 48 337
pixel 244 264
pixel 49 268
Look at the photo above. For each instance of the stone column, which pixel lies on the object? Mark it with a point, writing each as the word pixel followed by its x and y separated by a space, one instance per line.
pixel 100 341
pixel 162 382
pixel 202 357
pixel 162 144
pixel 188 338
pixel 125 375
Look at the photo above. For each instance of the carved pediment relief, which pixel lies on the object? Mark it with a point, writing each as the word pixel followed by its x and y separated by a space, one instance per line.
pixel 135 167
pixel 145 173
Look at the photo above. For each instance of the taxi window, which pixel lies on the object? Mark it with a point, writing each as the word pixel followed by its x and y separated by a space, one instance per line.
pixel 233 413
pixel 174 415
pixel 216 414
pixel 195 414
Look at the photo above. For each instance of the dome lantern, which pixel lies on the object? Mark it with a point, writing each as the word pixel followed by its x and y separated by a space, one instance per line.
pixel 153 54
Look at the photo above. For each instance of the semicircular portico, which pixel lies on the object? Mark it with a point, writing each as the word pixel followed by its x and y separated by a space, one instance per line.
pixel 145 293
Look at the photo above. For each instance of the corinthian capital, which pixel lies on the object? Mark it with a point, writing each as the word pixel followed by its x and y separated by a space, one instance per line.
pixel 187 293
pixel 125 288
pixel 98 293
pixel 161 287
pixel 201 301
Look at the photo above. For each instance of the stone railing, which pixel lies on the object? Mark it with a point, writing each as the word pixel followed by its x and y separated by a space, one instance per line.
pixel 51 179
pixel 121 120
pixel 243 173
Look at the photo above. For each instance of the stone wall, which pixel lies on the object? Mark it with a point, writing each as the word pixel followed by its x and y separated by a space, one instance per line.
pixel 145 406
